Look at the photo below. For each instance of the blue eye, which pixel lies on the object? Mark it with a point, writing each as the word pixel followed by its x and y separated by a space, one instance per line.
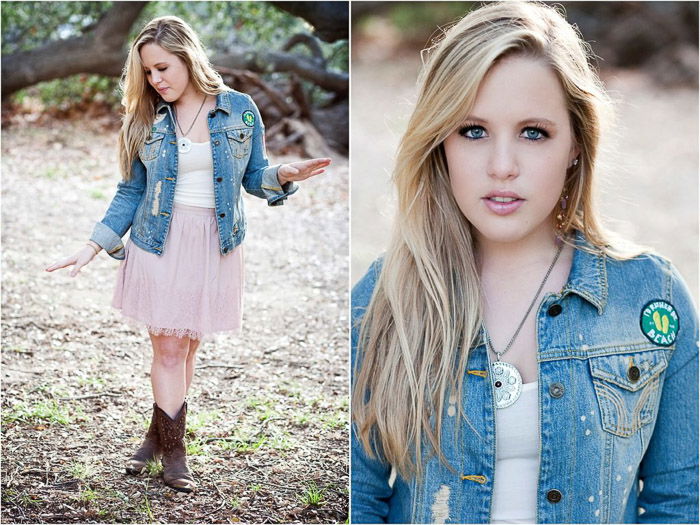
pixel 473 132
pixel 534 133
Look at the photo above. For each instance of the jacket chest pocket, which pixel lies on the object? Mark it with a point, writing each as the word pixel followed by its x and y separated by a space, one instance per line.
pixel 150 148
pixel 239 140
pixel 627 389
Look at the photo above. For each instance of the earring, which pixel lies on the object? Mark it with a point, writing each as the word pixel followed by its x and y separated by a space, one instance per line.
pixel 574 163
pixel 561 215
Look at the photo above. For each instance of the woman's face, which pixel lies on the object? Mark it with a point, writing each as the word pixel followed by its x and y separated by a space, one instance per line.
pixel 508 160
pixel 165 72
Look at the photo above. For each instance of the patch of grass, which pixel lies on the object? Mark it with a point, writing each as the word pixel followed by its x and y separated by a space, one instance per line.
pixel 153 468
pixel 280 442
pixel 49 411
pixel 27 500
pixel 266 413
pixel 234 502
pixel 145 507
pixel 314 402
pixel 301 419
pixel 201 420
pixel 82 470
pixel 195 447
pixel 243 444
pixel 7 495
pixel 87 495
pixel 97 194
pixel 255 487
pixel 91 381
pixel 50 173
pixel 255 402
pixel 313 495
pixel 23 499
pixel 51 390
pixel 290 389
pixel 334 420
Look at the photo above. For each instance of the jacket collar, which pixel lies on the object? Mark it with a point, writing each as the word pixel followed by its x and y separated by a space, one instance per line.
pixel 223 102
pixel 588 277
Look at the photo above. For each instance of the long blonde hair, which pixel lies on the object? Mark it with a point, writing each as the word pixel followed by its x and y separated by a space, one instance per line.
pixel 424 314
pixel 140 100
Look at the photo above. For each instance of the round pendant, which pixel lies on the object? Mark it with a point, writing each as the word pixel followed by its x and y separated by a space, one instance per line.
pixel 184 144
pixel 507 383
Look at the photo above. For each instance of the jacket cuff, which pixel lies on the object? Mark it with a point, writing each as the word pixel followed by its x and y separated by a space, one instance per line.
pixel 274 193
pixel 108 240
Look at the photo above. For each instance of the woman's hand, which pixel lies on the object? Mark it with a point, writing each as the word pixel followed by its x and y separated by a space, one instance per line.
pixel 304 169
pixel 78 259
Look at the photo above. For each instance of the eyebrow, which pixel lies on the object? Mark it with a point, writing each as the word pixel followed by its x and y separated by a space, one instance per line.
pixel 158 64
pixel 523 122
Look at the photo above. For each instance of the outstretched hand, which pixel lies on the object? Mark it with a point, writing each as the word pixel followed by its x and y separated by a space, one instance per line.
pixel 301 170
pixel 78 259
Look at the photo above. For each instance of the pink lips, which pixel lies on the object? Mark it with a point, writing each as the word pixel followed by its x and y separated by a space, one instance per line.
pixel 162 90
pixel 503 208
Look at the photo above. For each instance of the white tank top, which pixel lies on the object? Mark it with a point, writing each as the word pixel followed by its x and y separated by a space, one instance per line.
pixel 517 460
pixel 195 177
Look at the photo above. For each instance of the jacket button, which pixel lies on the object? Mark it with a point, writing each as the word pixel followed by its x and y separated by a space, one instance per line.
pixel 242 135
pixel 554 310
pixel 554 496
pixel 219 179
pixel 222 215
pixel 556 390
pixel 216 142
pixel 633 373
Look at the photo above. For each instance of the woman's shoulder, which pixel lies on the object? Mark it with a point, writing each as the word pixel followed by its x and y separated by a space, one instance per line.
pixel 652 287
pixel 238 97
pixel 648 268
pixel 635 270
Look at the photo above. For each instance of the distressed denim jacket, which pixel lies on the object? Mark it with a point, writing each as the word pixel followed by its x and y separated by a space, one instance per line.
pixel 618 409
pixel 145 202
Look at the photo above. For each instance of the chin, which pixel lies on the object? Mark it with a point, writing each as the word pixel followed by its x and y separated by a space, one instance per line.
pixel 503 231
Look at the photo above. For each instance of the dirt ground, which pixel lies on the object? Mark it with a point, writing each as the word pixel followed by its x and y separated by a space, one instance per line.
pixel 268 426
pixel 648 177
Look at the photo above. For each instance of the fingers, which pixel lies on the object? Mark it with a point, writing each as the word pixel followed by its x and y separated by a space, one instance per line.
pixel 317 163
pixel 76 269
pixel 61 264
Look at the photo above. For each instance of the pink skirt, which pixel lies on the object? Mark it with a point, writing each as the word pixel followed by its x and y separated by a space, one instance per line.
pixel 189 291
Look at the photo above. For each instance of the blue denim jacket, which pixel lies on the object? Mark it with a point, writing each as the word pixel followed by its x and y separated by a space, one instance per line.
pixel 612 440
pixel 145 202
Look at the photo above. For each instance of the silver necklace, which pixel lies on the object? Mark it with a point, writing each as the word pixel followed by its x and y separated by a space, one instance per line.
pixel 506 380
pixel 183 143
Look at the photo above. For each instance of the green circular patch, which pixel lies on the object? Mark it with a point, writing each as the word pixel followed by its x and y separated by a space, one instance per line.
pixel 659 322
pixel 248 118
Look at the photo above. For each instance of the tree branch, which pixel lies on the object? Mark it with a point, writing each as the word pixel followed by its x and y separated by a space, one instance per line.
pixel 98 51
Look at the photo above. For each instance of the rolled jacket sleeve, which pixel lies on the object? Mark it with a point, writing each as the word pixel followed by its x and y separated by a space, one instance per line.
pixel 109 231
pixel 669 469
pixel 260 179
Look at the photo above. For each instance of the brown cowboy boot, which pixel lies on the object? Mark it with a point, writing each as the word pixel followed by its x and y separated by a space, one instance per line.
pixel 172 439
pixel 150 449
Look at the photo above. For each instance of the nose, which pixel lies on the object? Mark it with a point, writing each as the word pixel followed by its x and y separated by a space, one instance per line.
pixel 503 163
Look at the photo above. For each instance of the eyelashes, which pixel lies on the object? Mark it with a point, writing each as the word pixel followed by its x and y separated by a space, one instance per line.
pixel 534 133
pixel 148 72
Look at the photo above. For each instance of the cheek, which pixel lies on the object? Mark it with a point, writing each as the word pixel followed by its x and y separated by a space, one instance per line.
pixel 462 164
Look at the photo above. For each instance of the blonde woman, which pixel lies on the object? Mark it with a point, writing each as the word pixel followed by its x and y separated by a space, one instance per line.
pixel 187 145
pixel 511 361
